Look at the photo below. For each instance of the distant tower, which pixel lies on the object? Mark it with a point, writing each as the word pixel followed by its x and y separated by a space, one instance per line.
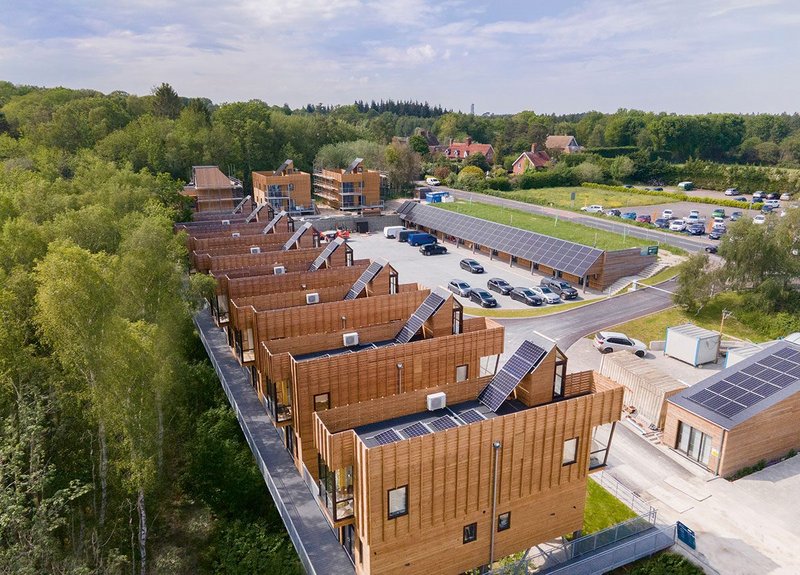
pixel 472 109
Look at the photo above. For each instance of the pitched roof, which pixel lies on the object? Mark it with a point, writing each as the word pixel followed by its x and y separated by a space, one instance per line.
pixel 537 159
pixel 210 177
pixel 737 393
pixel 560 142
pixel 471 148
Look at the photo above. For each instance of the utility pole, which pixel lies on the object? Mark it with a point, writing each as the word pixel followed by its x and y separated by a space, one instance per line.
pixel 725 315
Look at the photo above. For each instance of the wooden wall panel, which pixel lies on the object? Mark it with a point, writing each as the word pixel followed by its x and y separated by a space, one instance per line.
pixel 273 258
pixel 677 414
pixel 618 264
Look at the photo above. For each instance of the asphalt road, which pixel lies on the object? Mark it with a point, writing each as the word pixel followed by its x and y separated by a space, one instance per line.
pixel 569 326
pixel 687 243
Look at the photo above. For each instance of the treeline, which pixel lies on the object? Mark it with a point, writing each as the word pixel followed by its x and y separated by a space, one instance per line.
pixel 401 108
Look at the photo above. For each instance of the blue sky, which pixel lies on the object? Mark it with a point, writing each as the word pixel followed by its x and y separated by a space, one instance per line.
pixel 685 56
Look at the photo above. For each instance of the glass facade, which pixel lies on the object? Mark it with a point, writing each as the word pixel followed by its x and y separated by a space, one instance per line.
pixel 694 444
pixel 336 490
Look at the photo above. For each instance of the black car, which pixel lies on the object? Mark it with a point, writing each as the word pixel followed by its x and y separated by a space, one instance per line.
pixel 711 249
pixel 432 249
pixel 773 196
pixel 471 266
pixel 526 296
pixel 716 234
pixel 482 297
pixel 561 287
pixel 613 213
pixel 696 229
pixel 661 223
pixel 735 216
pixel 499 285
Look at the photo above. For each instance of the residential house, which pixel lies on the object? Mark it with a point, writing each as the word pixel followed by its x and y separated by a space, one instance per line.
pixel 463 150
pixel 213 191
pixel 285 189
pixel 533 160
pixel 353 188
pixel 564 144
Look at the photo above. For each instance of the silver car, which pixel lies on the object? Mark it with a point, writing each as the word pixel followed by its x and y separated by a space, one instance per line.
pixel 608 341
pixel 459 287
pixel 546 294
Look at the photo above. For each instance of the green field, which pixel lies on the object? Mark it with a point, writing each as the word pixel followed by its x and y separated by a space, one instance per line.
pixel 545 225
pixel 602 509
pixel 560 198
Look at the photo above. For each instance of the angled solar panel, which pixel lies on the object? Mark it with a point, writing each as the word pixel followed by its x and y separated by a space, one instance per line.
pixel 422 314
pixel 251 216
pixel 415 430
pixel 270 227
pixel 444 422
pixel 367 276
pixel 326 253
pixel 388 436
pixel 471 416
pixel 527 357
pixel 291 242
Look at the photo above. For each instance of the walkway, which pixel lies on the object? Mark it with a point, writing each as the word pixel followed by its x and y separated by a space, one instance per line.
pixel 314 540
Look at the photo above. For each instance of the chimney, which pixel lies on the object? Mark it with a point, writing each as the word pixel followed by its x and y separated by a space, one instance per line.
pixel 469 140
pixel 533 147
pixel 450 142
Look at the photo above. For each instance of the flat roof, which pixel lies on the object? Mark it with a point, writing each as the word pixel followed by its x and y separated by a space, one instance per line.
pixel 425 422
pixel 737 393
pixel 343 350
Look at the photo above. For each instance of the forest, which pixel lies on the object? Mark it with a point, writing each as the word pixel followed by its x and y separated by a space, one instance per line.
pixel 118 453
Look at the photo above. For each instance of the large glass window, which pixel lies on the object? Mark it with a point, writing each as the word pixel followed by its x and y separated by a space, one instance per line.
pixel 694 443
pixel 570 454
pixel 283 401
pixel 322 402
pixel 398 501
pixel 336 490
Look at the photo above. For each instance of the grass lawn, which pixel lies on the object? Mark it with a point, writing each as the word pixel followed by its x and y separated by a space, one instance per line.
pixel 661 276
pixel 546 225
pixel 654 327
pixel 602 509
pixel 528 312
pixel 560 198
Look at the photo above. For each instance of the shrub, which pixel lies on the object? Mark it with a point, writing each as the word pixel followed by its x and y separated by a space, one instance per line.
pixel 664 564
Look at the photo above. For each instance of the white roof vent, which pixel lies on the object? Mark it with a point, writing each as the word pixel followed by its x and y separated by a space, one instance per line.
pixel 226 222
pixel 350 339
pixel 255 250
pixel 312 298
pixel 235 234
pixel 437 401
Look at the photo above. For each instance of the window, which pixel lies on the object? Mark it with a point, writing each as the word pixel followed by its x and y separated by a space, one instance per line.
pixel 462 372
pixel 570 451
pixel 322 402
pixel 694 443
pixel 504 521
pixel 470 532
pixel 398 502
pixel 290 187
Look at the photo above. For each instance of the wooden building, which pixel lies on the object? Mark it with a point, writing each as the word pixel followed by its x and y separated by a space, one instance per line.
pixel 213 191
pixel 285 189
pixel 354 188
pixel 745 413
pixel 441 480
pixel 576 263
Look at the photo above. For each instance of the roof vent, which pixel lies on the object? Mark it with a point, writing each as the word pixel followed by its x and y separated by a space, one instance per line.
pixel 255 250
pixel 312 298
pixel 278 270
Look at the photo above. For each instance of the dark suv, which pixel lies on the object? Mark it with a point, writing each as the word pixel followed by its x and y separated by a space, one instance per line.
pixel 432 249
pixel 499 285
pixel 471 266
pixel 561 287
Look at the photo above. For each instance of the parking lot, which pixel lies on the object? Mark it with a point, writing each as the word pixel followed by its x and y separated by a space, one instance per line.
pixel 438 270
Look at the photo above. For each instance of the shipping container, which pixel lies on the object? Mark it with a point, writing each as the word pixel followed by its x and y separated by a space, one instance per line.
pixel 692 344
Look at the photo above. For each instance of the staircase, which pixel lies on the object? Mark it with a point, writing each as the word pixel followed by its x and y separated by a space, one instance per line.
pixel 647 272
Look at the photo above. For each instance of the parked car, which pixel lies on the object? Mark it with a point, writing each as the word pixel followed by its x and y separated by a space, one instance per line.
pixel 696 229
pixel 658 189
pixel 718 222
pixel 772 203
pixel 718 213
pixel 711 249
pixel 432 181
pixel 593 209
pixel 686 186
pixel 421 238
pixel 731 192
pixel 402 235
pixel 526 296
pixel 717 233
pixel 735 216
pixel 629 216
pixel 499 285
pixel 628 186
pixel 766 209
pixel 471 266
pixel 482 297
pixel 608 341
pixel 773 196
pixel 546 294
pixel 459 287
pixel 559 286
pixel 741 199
pixel 677 225
pixel 760 219
pixel 786 196
pixel 667 214
pixel 615 213
pixel 432 249
pixel 661 223
pixel 759 195
pixel 694 213
pixel 693 219
pixel 644 218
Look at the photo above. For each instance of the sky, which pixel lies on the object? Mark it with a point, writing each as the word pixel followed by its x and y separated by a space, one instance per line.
pixel 683 56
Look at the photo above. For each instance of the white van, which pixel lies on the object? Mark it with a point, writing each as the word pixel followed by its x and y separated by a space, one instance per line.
pixel 391 231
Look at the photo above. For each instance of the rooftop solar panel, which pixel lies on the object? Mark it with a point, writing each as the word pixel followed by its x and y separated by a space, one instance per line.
pixel 730 409
pixel 292 242
pixel 369 274
pixel 415 430
pixel 788 353
pixel 388 436
pixel 422 314
pixel 526 358
pixel 444 422
pixel 270 227
pixel 471 416
pixel 326 253
pixel 566 256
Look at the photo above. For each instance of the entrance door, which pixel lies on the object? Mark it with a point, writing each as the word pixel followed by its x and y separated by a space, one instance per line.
pixel 694 444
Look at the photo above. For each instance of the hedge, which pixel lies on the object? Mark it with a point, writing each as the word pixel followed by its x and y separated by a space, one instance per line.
pixel 612 151
pixel 747 178
pixel 673 196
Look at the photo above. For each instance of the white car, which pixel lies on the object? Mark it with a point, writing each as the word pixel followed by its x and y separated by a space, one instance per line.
pixel 760 219
pixel 786 196
pixel 546 294
pixel 432 181
pixel 593 209
pixel 772 203
pixel 731 192
pixel 694 213
pixel 608 341
pixel 667 214
pixel 677 225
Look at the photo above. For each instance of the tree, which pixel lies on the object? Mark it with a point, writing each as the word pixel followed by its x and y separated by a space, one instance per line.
pixel 695 284
pixel 403 165
pixel 166 102
pixel 588 172
pixel 418 144
pixel 479 160
pixel 621 168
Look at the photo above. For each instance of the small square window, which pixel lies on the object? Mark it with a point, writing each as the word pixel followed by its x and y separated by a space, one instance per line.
pixel 570 451
pixel 322 402
pixel 398 502
pixel 504 521
pixel 470 532
pixel 462 373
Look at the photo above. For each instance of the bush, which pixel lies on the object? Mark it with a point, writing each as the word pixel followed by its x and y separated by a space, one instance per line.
pixel 501 183
pixel 558 177
pixel 747 178
pixel 662 564
pixel 613 151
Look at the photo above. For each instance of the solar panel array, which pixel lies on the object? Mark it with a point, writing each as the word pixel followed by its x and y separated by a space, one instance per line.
pixel 388 436
pixel 444 422
pixel 415 430
pixel 525 359
pixel 326 253
pixel 273 222
pixel 367 276
pixel 422 314
pixel 290 243
pixel 558 254
pixel 756 382
pixel 471 416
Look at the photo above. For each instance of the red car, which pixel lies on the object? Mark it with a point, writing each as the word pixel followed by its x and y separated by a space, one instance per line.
pixel 643 218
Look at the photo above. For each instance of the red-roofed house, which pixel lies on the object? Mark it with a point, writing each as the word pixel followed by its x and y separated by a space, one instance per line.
pixel 533 160
pixel 567 144
pixel 462 150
